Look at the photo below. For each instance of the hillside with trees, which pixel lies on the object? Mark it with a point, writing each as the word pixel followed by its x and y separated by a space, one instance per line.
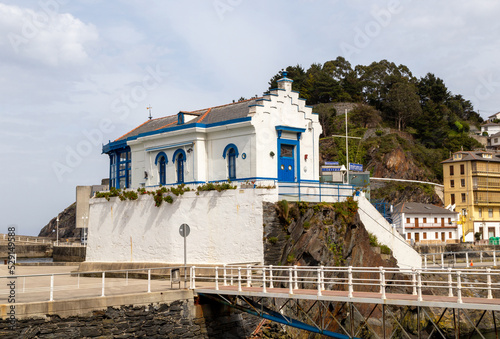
pixel 408 125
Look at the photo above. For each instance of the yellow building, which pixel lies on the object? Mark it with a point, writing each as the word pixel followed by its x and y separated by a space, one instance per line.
pixel 472 184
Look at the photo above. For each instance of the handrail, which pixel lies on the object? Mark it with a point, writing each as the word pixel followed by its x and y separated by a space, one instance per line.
pixel 453 258
pixel 452 282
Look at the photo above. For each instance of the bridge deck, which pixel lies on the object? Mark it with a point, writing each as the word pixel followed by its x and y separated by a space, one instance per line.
pixel 358 297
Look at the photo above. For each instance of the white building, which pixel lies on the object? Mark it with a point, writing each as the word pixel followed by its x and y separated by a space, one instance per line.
pixel 490 128
pixel 275 137
pixel 426 223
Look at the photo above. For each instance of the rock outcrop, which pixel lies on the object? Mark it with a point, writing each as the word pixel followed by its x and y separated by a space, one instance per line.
pixel 67 225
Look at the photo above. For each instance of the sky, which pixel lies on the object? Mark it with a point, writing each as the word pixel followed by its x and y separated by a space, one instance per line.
pixel 76 74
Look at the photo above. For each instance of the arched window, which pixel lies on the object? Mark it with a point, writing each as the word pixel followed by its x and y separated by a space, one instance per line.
pixel 231 151
pixel 180 158
pixel 231 164
pixel 161 161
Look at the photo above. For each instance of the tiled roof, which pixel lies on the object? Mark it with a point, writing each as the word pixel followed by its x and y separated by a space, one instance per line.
pixel 211 115
pixel 469 156
pixel 418 208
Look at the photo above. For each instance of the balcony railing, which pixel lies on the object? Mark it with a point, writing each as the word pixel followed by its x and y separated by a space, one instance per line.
pixel 431 225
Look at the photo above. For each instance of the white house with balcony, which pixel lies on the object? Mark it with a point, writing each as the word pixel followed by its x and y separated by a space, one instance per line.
pixel 426 223
pixel 275 137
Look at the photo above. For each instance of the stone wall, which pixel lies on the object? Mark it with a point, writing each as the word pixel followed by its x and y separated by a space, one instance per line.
pixel 28 250
pixel 180 318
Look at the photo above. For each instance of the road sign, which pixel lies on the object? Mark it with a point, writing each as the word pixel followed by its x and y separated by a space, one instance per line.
pixel 184 230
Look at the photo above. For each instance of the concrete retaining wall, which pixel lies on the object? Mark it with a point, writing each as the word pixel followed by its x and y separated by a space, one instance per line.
pixel 28 250
pixel 226 227
pixel 67 253
pixel 376 224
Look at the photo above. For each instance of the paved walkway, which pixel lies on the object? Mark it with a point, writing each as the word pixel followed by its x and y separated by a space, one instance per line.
pixel 35 289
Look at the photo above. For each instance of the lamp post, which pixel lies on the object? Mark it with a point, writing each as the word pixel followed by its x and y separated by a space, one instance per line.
pixel 57 230
pixel 85 218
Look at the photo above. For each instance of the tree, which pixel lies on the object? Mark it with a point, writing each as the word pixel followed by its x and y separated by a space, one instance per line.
pixel 367 116
pixel 404 103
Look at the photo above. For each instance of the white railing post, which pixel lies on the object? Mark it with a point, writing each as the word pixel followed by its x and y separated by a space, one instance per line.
pixel 349 281
pixel 425 261
pixel 419 286
pixel 225 275
pixel 494 258
pixel 459 288
pixel 382 283
pixel 322 277
pixel 466 259
pixel 103 278
pixel 149 281
pixel 271 276
pixel 414 281
pixel 488 282
pixel 193 277
pixel 319 281
pixel 381 278
pixel 264 289
pixel 290 280
pixel 296 277
pixel 51 288
pixel 434 259
pixel 450 283
pixel 216 278
pixel 481 256
pixel 442 260
pixel 239 279
pixel 231 274
pixel 454 258
pixel 249 276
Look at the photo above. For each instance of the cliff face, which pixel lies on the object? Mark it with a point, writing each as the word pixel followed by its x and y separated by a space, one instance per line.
pixel 67 225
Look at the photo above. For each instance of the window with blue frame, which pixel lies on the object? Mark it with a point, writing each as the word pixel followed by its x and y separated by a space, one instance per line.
pixel 120 173
pixel 162 164
pixel 180 168
pixel 231 153
pixel 231 164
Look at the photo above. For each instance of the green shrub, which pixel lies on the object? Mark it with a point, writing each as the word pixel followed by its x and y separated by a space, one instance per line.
pixel 168 199
pixel 373 239
pixel 307 224
pixel 273 240
pixel 384 249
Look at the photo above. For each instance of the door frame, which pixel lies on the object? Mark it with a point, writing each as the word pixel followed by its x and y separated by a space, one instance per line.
pixel 296 158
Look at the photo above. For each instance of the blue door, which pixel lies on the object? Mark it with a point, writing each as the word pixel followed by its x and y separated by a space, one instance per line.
pixel 286 163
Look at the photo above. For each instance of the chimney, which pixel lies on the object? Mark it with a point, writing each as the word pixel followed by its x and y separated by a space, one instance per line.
pixel 285 83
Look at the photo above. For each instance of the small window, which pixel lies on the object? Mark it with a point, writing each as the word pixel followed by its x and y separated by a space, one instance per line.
pixel 424 220
pixel 449 235
pixel 462 182
pixel 452 199
pixel 463 197
pixel 490 213
pixel 462 169
pixel 436 235
pixel 451 170
pixel 407 220
pixel 480 210
pixel 435 220
pixel 408 236
pixel 424 235
pixel 452 183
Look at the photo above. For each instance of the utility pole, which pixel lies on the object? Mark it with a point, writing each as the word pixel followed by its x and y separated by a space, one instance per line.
pixel 57 230
pixel 346 148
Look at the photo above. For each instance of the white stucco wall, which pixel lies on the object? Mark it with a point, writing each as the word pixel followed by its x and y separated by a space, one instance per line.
pixel 226 227
pixel 376 224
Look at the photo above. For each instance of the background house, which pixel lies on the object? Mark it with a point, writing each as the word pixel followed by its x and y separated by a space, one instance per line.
pixel 426 223
pixel 472 185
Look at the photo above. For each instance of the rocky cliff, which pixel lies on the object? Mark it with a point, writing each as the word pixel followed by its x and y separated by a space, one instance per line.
pixel 67 225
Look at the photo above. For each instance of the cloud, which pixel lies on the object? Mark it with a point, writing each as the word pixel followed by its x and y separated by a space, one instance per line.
pixel 44 36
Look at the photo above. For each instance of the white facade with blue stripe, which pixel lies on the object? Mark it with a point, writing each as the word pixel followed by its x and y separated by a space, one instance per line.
pixel 275 137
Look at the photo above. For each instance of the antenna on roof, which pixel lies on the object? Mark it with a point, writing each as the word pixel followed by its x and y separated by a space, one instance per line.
pixel 149 108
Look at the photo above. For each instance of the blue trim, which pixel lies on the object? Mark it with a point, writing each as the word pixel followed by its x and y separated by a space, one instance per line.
pixel 262 100
pixel 180 118
pixel 168 146
pixel 176 153
pixel 290 129
pixel 255 105
pixel 277 89
pixel 296 155
pixel 158 158
pixel 285 79
pixel 274 95
pixel 227 149
pixel 309 106
pixel 295 92
pixel 123 143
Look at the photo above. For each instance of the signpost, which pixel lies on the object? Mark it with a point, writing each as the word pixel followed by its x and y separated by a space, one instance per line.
pixel 184 231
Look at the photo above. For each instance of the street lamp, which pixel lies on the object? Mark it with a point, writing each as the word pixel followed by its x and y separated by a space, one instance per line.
pixel 57 230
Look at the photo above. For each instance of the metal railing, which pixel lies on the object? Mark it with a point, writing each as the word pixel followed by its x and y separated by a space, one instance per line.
pixel 465 258
pixel 315 192
pixel 76 285
pixel 453 283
